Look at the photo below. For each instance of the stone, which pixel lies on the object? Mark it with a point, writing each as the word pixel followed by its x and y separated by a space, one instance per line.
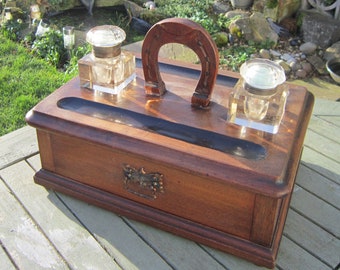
pixel 285 66
pixel 221 7
pixel 278 10
pixel 242 4
pixel 295 66
pixel 308 48
pixel 274 53
pixel 237 13
pixel 231 39
pixel 294 42
pixel 307 67
pixel 133 8
pixel 332 51
pixel 301 73
pixel 319 29
pixel 264 54
pixel 318 64
pixel 255 28
pixel 288 58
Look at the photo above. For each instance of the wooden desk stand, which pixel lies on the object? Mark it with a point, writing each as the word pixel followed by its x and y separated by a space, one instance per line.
pixel 162 161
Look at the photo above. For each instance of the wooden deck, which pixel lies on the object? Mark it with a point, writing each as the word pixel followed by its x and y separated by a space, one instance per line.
pixel 42 229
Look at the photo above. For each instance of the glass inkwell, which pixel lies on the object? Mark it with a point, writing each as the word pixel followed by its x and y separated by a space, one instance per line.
pixel 108 68
pixel 259 97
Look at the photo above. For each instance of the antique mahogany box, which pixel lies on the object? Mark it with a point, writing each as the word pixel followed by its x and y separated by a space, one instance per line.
pixel 162 155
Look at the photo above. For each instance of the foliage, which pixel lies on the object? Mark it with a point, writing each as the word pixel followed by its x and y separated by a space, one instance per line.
pixel 24 81
pixel 234 56
pixel 50 47
pixel 272 3
pixel 30 71
pixel 196 10
pixel 11 29
pixel 71 67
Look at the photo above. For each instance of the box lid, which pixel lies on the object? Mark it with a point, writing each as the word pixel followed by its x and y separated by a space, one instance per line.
pixel 253 159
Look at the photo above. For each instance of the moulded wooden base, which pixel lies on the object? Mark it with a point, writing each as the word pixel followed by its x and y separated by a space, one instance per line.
pixel 258 254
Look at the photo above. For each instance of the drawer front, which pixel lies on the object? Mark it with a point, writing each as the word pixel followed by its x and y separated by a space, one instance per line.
pixel 169 189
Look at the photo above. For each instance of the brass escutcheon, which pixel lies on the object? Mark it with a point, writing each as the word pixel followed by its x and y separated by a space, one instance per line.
pixel 141 183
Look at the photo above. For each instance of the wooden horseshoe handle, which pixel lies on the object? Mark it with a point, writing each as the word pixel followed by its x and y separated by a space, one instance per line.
pixel 191 34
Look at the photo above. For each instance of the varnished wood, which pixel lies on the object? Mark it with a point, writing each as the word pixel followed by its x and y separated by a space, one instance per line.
pixel 310 238
pixel 209 196
pixel 191 34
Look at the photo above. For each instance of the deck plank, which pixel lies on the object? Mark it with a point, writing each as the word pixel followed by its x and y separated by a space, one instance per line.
pixel 5 262
pixel 231 262
pixel 17 145
pixel 319 185
pixel 20 236
pixel 325 128
pixel 324 107
pixel 335 120
pixel 71 239
pixel 128 249
pixel 292 256
pixel 318 211
pixel 321 164
pixel 313 238
pixel 321 144
pixel 181 253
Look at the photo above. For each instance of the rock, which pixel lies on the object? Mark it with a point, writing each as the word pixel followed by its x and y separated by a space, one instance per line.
pixel 237 13
pixel 255 28
pixel 295 66
pixel 264 54
pixel 332 52
pixel 320 29
pixel 317 63
pixel 242 4
pixel 294 42
pixel 221 7
pixel 275 54
pixel 231 39
pixel 288 58
pixel 285 66
pixel 307 67
pixel 301 73
pixel 278 9
pixel 308 48
pixel 133 8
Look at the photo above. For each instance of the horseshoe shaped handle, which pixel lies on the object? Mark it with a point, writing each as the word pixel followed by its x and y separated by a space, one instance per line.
pixel 191 34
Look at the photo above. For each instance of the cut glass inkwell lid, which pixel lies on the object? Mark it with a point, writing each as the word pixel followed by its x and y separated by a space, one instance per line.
pixel 262 76
pixel 106 40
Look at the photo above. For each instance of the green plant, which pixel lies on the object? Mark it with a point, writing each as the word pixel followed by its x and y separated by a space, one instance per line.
pixel 198 11
pixel 24 81
pixel 11 29
pixel 234 56
pixel 50 47
pixel 72 66
pixel 272 3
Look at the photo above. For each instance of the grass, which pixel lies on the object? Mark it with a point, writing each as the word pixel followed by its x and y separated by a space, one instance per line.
pixel 24 81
